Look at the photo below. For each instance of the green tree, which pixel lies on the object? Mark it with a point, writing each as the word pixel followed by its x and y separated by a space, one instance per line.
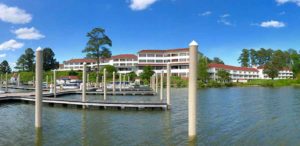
pixel 223 75
pixel 20 65
pixel 4 67
pixel 26 61
pixel 271 70
pixel 109 70
pixel 203 74
pixel 216 60
pixel 253 57
pixel 72 73
pixel 132 75
pixel 49 61
pixel 147 73
pixel 244 58
pixel 96 46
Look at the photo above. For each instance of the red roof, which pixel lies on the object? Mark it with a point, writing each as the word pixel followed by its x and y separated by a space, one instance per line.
pixel 165 51
pixel 125 56
pixel 228 67
pixel 121 56
pixel 81 61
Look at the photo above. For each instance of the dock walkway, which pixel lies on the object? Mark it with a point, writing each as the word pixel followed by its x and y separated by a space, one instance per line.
pixel 63 102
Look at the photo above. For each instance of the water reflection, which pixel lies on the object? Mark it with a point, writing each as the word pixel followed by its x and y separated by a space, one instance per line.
pixel 84 140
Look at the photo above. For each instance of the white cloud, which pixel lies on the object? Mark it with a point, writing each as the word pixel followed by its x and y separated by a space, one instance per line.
pixel 11 45
pixel 282 13
pixel 138 5
pixel 272 23
pixel 205 13
pixel 14 15
pixel 225 15
pixel 297 2
pixel 223 19
pixel 28 33
pixel 2 55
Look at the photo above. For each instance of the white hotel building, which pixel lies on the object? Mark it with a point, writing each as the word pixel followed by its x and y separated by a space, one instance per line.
pixel 179 59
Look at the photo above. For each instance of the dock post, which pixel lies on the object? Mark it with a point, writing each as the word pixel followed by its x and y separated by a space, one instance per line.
pixel 124 80
pixel 88 80
pixel 114 84
pixel 120 81
pixel 128 78
pixel 192 100
pixel 18 80
pixel 161 84
pixel 6 82
pixel 156 81
pixel 104 83
pixel 83 97
pixel 97 79
pixel 47 79
pixel 54 83
pixel 38 87
pixel 168 85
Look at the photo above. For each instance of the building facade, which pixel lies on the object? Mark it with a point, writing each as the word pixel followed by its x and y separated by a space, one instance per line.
pixel 179 60
pixel 158 59
pixel 125 63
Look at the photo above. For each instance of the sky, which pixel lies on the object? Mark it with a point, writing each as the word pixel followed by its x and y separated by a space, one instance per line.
pixel 222 28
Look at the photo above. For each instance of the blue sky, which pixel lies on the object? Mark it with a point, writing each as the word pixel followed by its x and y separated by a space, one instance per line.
pixel 221 27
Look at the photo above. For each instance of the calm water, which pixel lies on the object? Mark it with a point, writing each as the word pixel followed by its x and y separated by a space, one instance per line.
pixel 226 116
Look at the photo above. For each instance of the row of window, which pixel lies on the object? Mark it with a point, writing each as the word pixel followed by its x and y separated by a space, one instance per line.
pixel 163 61
pixel 163 54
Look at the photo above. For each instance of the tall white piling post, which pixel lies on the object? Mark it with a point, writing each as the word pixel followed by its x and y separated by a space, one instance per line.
pixel 97 79
pixel 114 84
pixel 128 78
pixel 6 82
pixel 161 84
pixel 18 80
pixel 104 84
pixel 47 79
pixel 169 84
pixel 124 80
pixel 54 83
pixel 192 100
pixel 156 83
pixel 38 87
pixel 120 82
pixel 83 96
pixel 88 80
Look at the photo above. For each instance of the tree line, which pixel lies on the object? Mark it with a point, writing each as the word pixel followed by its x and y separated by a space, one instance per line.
pixel 271 60
pixel 26 62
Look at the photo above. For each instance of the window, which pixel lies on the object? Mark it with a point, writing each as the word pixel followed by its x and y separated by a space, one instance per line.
pixel 159 61
pixel 159 55
pixel 142 60
pixel 182 54
pixel 142 55
pixel 122 59
pixel 182 60
pixel 116 59
pixel 150 55
pixel 151 60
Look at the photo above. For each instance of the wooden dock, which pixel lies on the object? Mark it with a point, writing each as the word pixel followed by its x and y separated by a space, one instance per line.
pixel 75 103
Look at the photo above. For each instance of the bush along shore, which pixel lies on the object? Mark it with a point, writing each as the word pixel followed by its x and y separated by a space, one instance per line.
pixel 176 82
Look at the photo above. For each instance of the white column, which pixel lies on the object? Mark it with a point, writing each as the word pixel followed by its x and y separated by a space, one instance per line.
pixel 168 84
pixel 114 84
pixel 19 79
pixel 120 81
pixel 54 83
pixel 6 82
pixel 104 83
pixel 38 87
pixel 192 100
pixel 83 97
pixel 161 84
pixel 156 83
pixel 124 80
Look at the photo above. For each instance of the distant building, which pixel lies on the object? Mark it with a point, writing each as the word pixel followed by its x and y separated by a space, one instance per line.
pixel 179 59
pixel 237 74
pixel 158 59
pixel 243 74
pixel 125 63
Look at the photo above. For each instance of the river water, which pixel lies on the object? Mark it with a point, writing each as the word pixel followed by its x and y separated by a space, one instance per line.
pixel 225 116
